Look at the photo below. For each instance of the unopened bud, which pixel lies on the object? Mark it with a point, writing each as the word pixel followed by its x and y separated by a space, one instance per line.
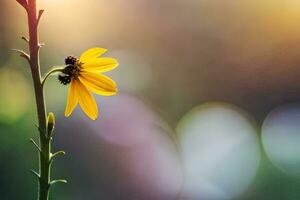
pixel 51 123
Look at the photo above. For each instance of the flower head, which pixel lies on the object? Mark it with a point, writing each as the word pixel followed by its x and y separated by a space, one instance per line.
pixel 84 76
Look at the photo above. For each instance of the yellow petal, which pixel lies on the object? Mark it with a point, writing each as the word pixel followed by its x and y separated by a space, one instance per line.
pixel 100 64
pixel 72 100
pixel 91 53
pixel 98 83
pixel 87 101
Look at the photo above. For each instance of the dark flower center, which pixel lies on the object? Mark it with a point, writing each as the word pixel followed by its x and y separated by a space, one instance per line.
pixel 72 70
pixel 71 60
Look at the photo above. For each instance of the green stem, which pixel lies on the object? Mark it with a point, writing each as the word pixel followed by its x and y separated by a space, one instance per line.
pixel 45 126
pixel 45 132
pixel 51 72
pixel 45 143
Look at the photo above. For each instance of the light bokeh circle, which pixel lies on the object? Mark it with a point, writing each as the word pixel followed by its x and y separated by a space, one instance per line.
pixel 220 151
pixel 281 138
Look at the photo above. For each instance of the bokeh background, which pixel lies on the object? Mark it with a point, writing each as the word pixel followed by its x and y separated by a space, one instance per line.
pixel 208 107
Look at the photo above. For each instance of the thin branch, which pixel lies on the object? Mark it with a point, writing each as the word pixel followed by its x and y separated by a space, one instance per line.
pixel 49 73
pixel 25 39
pixel 59 153
pixel 35 144
pixel 23 54
pixel 58 181
pixel 23 3
pixel 35 173
pixel 26 57
pixel 39 17
pixel 41 45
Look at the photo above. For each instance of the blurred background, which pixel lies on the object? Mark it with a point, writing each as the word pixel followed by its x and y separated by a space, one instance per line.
pixel 208 108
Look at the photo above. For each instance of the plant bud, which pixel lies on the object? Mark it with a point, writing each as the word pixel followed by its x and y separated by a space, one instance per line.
pixel 51 123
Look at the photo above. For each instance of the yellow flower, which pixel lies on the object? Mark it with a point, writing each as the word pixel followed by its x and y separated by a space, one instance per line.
pixel 84 76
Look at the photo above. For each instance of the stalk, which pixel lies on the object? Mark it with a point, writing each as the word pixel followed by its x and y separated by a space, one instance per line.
pixel 44 157
pixel 45 134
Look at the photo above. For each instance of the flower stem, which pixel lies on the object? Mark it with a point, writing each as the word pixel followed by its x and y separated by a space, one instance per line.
pixel 45 126
pixel 45 142
pixel 51 72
